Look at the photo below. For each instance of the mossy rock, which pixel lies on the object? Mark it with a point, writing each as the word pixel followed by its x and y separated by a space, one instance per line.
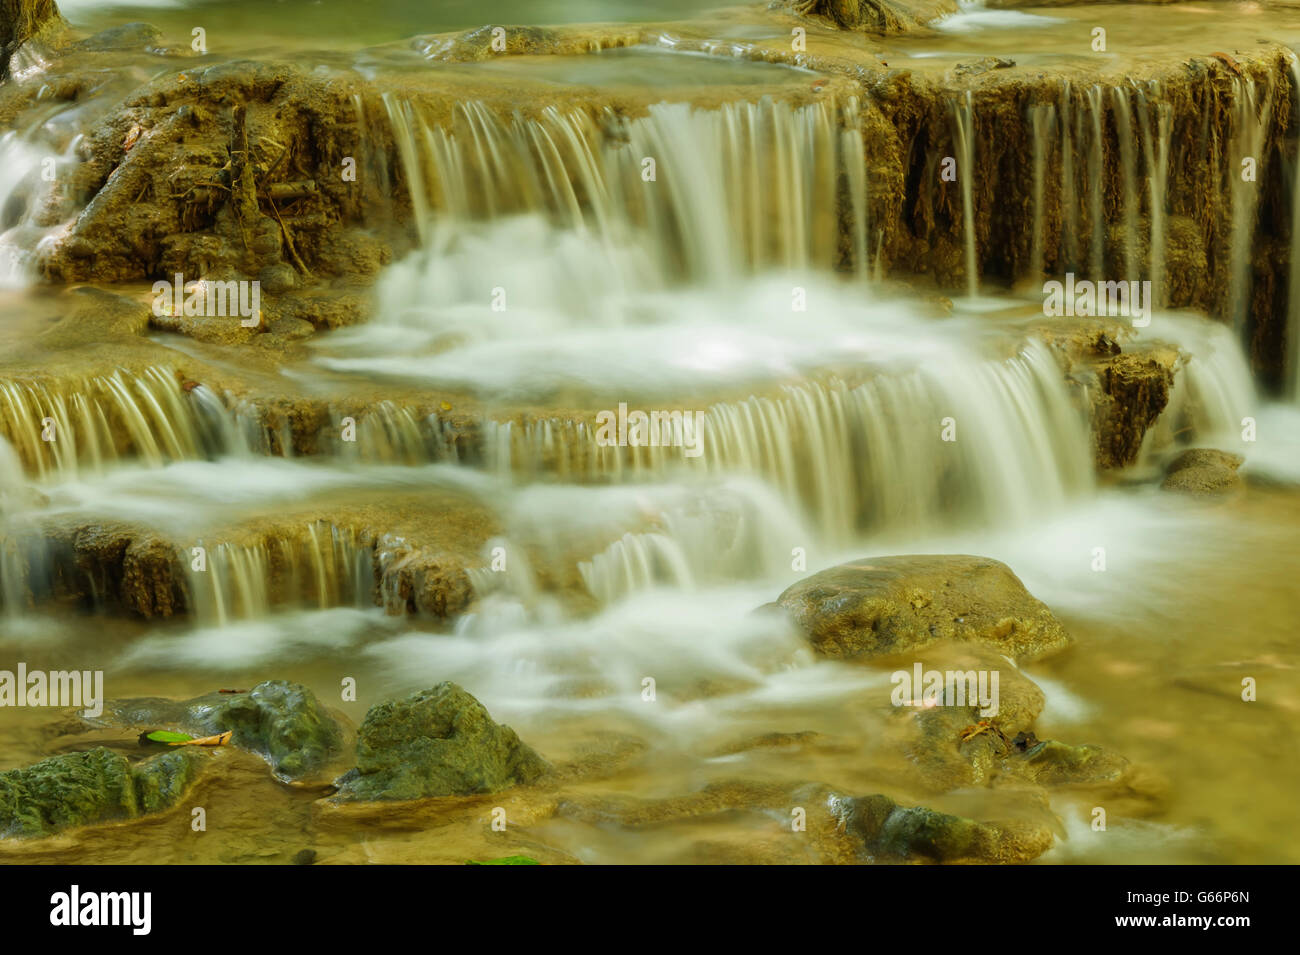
pixel 99 785
pixel 1053 763
pixel 1204 471
pixel 890 832
pixel 438 742
pixel 890 605
pixel 282 722
pixel 27 21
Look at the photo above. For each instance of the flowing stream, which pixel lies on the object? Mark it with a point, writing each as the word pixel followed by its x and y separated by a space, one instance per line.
pixel 558 276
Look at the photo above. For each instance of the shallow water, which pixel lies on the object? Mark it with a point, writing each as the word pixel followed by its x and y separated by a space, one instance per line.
pixel 343 23
pixel 1149 678
pixel 824 419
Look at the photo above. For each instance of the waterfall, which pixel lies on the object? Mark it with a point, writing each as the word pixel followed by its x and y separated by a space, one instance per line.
pixel 21 185
pixel 20 546
pixel 1212 392
pixel 1249 132
pixel 854 458
pixel 1293 286
pixel 617 277
pixel 637 562
pixel 320 566
pixel 739 530
pixel 1096 210
pixel 1043 122
pixel 709 194
pixel 30 196
pixel 1155 147
pixel 60 430
pixel 964 144
pixel 392 434
pixel 1128 164
pixel 1069 189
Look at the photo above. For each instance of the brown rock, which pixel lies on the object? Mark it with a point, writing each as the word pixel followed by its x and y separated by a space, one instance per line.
pixel 889 605
pixel 1204 471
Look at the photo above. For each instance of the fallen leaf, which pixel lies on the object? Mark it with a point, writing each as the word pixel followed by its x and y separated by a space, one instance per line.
pixel 165 736
pixel 221 739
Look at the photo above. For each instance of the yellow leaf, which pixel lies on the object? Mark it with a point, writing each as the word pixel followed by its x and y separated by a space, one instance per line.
pixel 221 739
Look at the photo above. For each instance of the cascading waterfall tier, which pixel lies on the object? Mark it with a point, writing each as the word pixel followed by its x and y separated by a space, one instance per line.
pixel 862 457
pixel 322 566
pixel 703 193
pixel 29 173
pixel 62 429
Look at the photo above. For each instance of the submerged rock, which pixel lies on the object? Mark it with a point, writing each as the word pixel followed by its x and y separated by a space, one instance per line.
pixel 1204 471
pixel 480 43
pixel 282 722
pixel 954 746
pixel 983 65
pixel 78 789
pixel 890 832
pixel 438 742
pixel 128 36
pixel 1053 763
pixel 890 605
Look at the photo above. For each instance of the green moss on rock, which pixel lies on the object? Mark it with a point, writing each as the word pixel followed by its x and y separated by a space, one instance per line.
pixel 282 722
pixel 891 832
pixel 80 789
pixel 437 742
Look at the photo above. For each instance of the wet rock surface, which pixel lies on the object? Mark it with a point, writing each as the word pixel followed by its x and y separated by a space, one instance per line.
pixel 440 742
pixel 281 721
pixel 1134 391
pixel 79 789
pixel 238 162
pixel 1204 471
pixel 890 832
pixel 888 605
pixel 128 36
pixel 26 21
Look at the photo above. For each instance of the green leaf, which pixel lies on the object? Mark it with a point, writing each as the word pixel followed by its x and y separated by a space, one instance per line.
pixel 164 736
pixel 507 860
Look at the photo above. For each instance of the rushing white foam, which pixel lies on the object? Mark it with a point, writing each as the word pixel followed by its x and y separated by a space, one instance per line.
pixel 974 17
pixel 235 645
pixel 21 187
pixel 1214 396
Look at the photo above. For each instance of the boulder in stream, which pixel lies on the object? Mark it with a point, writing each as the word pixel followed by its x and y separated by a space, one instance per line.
pixel 1204 471
pixel 890 832
pixel 98 785
pixel 889 605
pixel 282 722
pixel 438 742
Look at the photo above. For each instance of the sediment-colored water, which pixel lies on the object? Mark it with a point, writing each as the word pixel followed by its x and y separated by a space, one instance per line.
pixel 394 477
